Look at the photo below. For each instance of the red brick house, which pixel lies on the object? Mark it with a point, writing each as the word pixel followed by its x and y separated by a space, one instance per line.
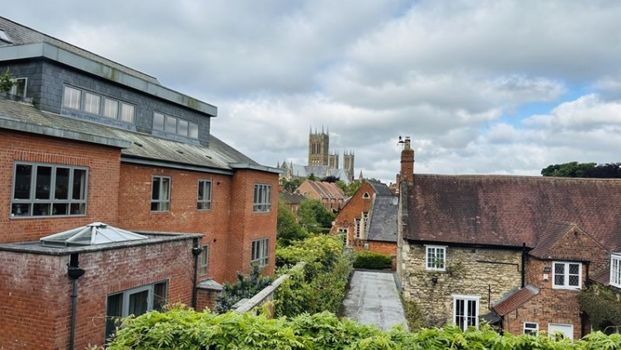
pixel 513 250
pixel 328 193
pixel 84 139
pixel 369 219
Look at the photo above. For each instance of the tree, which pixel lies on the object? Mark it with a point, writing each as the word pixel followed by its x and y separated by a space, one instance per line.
pixel 350 189
pixel 290 185
pixel 6 81
pixel 575 169
pixel 330 178
pixel 315 217
pixel 287 227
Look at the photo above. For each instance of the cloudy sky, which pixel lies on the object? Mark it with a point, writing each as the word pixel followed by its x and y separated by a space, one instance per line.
pixel 480 86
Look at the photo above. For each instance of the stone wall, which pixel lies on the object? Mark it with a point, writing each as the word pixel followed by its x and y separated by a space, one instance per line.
pixel 481 272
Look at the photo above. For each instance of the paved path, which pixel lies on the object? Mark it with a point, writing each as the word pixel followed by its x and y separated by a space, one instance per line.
pixel 373 299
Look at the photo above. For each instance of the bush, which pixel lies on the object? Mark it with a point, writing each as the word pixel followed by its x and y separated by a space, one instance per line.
pixel 245 287
pixel 182 328
pixel 372 260
pixel 318 285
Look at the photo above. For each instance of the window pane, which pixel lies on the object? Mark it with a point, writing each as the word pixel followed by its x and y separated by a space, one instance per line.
pixel 44 178
pixel 204 262
pixel 71 97
pixel 574 281
pixel 171 124
pixel 91 103
pixel 111 108
pixel 193 132
pixel 114 311
pixel 19 88
pixel 155 195
pixel 182 127
pixel 138 303
pixel 127 112
pixel 79 184
pixel 78 209
pixel 60 209
pixel 165 189
pixel 41 209
pixel 23 177
pixel 559 268
pixel 201 190
pixel 159 299
pixel 574 268
pixel 158 121
pixel 21 209
pixel 61 189
pixel 559 280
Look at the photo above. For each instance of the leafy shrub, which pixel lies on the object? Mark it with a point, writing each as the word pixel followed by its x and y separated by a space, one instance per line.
pixel 602 305
pixel 245 287
pixel 185 329
pixel 320 284
pixel 372 260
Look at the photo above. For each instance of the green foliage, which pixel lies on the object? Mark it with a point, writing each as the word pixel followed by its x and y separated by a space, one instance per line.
pixel 290 185
pixel 575 169
pixel 372 260
pixel 350 189
pixel 318 285
pixel 314 217
pixel 244 287
pixel 287 227
pixel 185 329
pixel 413 314
pixel 602 305
pixel 6 81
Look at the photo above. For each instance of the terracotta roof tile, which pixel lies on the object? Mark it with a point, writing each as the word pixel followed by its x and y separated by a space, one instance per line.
pixel 515 300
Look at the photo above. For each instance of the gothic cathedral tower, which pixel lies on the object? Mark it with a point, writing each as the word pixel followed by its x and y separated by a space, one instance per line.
pixel 348 165
pixel 318 148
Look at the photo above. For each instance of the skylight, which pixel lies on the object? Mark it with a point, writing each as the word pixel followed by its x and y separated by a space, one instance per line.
pixel 4 36
pixel 92 234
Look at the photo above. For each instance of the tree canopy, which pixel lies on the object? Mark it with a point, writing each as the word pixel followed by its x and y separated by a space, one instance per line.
pixel 575 169
pixel 315 217
pixel 287 227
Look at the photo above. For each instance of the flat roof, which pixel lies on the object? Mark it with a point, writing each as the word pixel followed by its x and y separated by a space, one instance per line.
pixel 35 247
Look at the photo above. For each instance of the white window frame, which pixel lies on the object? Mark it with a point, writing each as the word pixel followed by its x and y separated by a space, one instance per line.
pixel 206 200
pixel 615 270
pixel 528 329
pixel 566 275
pixel 435 265
pixel 51 200
pixel 260 254
pixel 466 299
pixel 571 334
pixel 203 262
pixel 262 199
pixel 160 200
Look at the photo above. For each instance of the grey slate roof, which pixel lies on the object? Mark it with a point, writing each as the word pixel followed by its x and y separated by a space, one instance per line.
pixel 21 35
pixel 380 188
pixel 138 146
pixel 383 219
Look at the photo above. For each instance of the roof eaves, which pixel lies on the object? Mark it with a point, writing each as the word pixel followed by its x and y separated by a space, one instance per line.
pixel 257 167
pixel 57 54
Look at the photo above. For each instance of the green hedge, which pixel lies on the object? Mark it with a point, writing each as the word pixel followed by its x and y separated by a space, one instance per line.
pixel 372 260
pixel 185 329
pixel 320 284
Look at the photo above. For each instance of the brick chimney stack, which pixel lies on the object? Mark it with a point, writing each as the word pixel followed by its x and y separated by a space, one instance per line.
pixel 407 161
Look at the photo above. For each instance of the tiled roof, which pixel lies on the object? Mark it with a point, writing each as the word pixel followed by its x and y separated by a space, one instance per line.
pixel 217 155
pixel 515 300
pixel 326 190
pixel 383 220
pixel 21 35
pixel 510 210
pixel 292 198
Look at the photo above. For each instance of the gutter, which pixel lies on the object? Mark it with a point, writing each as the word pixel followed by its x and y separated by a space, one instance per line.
pixel 74 272
pixel 196 251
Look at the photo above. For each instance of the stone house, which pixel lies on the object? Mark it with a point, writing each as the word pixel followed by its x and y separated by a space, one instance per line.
pixel 116 198
pixel 369 219
pixel 328 193
pixel 513 250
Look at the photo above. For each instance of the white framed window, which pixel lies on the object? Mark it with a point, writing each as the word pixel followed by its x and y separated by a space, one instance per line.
pixel 203 261
pixel 160 194
pixel 136 301
pixel 91 103
pixel 531 328
pixel 19 88
pixel 71 97
pixel 262 198
pixel 260 249
pixel 566 330
pixel 48 190
pixel 204 195
pixel 615 270
pixel 435 258
pixel 567 275
pixel 111 108
pixel 466 311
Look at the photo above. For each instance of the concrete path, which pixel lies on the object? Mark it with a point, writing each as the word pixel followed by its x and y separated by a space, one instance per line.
pixel 373 299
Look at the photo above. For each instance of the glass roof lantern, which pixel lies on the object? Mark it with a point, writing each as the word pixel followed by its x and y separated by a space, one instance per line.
pixel 91 234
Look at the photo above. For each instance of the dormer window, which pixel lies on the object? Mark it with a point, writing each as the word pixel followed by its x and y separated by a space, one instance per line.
pixel 173 125
pixel 615 270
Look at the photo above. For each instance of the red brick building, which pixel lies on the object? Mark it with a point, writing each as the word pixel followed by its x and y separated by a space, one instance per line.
pixel 512 250
pixel 369 219
pixel 84 139
pixel 328 193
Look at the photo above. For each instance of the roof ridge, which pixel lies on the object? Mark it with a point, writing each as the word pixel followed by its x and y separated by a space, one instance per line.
pixel 519 177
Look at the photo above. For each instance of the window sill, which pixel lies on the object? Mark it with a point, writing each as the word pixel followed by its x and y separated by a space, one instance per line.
pixel 46 217
pixel 577 289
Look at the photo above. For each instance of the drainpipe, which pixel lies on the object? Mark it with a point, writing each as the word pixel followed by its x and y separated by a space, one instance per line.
pixel 523 265
pixel 196 251
pixel 74 272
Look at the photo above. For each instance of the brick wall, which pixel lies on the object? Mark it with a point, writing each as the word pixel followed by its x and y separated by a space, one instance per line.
pixel 469 272
pixel 353 210
pixel 39 287
pixel 103 182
